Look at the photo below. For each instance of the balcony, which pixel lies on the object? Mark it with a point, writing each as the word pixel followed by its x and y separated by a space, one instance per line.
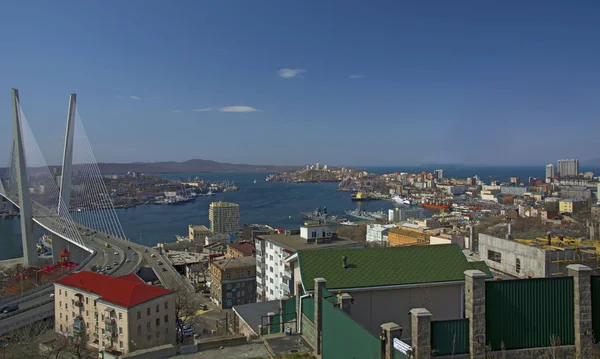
pixel 259 280
pixel 78 325
pixel 78 303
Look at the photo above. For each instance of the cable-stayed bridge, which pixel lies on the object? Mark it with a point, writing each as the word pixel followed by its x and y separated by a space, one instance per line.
pixel 74 206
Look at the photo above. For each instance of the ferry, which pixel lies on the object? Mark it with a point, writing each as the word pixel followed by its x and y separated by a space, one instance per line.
pixel 400 200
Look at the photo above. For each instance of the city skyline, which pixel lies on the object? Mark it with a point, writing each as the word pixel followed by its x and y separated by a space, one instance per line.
pixel 465 83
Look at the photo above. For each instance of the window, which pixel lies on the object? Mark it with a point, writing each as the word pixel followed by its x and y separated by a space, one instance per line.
pixel 271 291
pixel 157 322
pixel 73 314
pixel 518 265
pixel 66 305
pixel 494 256
pixel 102 330
pixel 270 245
pixel 86 300
pixel 148 325
pixel 270 257
pixel 61 327
pixel 94 303
pixel 120 330
pixel 60 292
pixel 147 311
pixel 87 313
pixel 227 276
pixel 249 273
pixel 60 304
pixel 121 344
pixel 166 305
pixel 67 318
pixel 157 308
pixel 87 325
pixel 271 269
pixel 60 316
pixel 166 331
pixel 139 315
pixel 120 316
pixel 271 279
pixel 140 329
pixel 166 318
pixel 66 294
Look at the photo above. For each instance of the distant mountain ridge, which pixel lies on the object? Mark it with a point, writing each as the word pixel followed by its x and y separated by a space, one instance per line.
pixel 190 166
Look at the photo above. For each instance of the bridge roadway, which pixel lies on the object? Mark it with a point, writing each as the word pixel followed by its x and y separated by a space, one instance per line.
pixel 128 256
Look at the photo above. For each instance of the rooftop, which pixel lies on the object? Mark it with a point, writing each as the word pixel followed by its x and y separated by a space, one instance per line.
pixel 182 258
pixel 297 243
pixel 199 227
pixel 377 267
pixel 223 204
pixel 126 291
pixel 573 200
pixel 233 263
pixel 246 248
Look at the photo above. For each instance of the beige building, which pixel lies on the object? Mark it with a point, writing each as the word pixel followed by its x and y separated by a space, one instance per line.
pixel 198 232
pixel 224 217
pixel 115 314
pixel 233 281
pixel 571 205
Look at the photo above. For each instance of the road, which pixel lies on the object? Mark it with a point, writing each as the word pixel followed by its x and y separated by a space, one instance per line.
pixel 123 256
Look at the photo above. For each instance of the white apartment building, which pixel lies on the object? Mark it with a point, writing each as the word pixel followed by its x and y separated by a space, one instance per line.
pixel 550 174
pixel 120 314
pixel 568 168
pixel 376 232
pixel 275 278
pixel 224 217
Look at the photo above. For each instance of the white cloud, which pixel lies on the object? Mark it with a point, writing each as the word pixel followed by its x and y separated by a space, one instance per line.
pixel 134 98
pixel 176 111
pixel 203 109
pixel 238 109
pixel 287 73
pixel 356 77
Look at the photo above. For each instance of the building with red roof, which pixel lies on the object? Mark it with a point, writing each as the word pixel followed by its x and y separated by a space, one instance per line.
pixel 240 249
pixel 117 314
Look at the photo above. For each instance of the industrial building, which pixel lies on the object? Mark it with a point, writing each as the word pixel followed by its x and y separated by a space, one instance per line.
pixel 537 258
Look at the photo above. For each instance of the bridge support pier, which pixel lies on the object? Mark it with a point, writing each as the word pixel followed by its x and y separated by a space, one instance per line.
pixel 76 254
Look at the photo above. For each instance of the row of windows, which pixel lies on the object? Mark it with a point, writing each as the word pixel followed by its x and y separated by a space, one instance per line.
pixel 238 275
pixel 149 325
pixel 148 310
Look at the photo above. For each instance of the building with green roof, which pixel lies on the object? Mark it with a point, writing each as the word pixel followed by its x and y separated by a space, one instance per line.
pixel 386 283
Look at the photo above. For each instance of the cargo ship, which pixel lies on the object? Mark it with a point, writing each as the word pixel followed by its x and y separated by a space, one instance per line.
pixel 435 204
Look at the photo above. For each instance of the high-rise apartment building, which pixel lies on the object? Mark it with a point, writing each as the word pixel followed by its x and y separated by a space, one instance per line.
pixel 439 175
pixel 115 314
pixel 550 171
pixel 224 217
pixel 568 168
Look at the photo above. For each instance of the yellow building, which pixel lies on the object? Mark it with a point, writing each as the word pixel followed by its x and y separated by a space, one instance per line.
pixel 406 237
pixel 120 314
pixel 198 232
pixel 240 249
pixel 571 205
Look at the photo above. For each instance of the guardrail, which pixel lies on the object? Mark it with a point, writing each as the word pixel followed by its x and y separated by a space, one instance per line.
pixel 31 292
pixel 25 309
pixel 27 321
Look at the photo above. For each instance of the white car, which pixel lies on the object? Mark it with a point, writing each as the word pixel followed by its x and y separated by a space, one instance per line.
pixel 116 253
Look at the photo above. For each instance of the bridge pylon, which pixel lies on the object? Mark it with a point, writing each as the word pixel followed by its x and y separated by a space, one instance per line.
pixel 67 164
pixel 30 257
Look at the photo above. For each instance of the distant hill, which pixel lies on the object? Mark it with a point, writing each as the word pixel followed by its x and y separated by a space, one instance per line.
pixel 191 166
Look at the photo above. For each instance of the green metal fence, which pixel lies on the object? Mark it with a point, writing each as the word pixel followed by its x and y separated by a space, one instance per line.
pixel 275 324
pixel 344 338
pixel 595 283
pixel 529 313
pixel 308 308
pixel 450 337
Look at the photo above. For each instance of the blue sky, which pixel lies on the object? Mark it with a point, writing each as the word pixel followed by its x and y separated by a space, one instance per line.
pixel 338 82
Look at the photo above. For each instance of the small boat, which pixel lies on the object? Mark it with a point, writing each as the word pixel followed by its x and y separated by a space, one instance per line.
pixel 348 223
pixel 255 181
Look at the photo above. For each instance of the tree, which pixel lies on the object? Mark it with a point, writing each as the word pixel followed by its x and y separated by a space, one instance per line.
pixel 186 306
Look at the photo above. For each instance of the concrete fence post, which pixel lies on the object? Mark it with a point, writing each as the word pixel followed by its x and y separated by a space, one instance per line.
pixel 390 330
pixel 318 298
pixel 582 288
pixel 475 311
pixel 420 322
pixel 345 302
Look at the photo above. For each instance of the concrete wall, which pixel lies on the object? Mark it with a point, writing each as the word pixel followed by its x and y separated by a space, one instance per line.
pixel 222 341
pixel 532 259
pixel 163 351
pixel 375 307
